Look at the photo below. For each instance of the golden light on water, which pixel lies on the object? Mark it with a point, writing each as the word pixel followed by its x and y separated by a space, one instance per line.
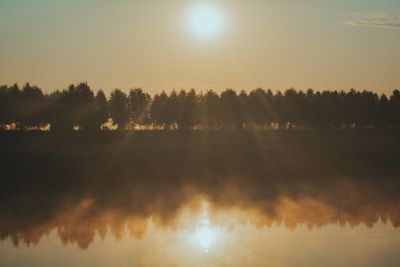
pixel 199 133
pixel 206 235
pixel 203 234
pixel 200 233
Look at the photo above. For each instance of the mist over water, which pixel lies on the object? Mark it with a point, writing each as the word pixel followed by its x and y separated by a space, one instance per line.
pixel 199 133
pixel 206 192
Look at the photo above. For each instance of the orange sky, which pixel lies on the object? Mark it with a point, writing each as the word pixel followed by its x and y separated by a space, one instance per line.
pixel 269 44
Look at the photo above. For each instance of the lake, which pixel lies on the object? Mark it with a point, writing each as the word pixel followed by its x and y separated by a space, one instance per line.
pixel 200 198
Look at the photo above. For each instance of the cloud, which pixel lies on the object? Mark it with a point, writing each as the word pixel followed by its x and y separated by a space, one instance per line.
pixel 373 19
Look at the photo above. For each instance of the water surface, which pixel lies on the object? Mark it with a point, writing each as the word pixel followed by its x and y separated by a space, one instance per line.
pixel 179 199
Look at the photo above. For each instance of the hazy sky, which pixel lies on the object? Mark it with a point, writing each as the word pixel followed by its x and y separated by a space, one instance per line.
pixel 274 44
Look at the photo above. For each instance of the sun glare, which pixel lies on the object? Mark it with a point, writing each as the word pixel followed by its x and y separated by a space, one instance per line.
pixel 205 235
pixel 204 21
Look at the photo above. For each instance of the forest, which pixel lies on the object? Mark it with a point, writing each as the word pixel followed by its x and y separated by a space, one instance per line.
pixel 81 108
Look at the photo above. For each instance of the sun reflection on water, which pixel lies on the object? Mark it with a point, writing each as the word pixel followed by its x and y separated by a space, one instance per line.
pixel 205 234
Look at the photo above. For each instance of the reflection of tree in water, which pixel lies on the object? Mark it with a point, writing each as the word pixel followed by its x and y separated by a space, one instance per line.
pixel 82 185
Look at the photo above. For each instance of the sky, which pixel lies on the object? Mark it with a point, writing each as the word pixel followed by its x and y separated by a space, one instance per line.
pixel 173 44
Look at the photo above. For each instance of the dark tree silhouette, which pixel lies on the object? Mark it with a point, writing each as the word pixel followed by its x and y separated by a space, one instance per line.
pixel 119 111
pixel 395 108
pixel 77 107
pixel 210 110
pixel 98 113
pixel 139 106
pixel 188 109
pixel 159 109
pixel 171 111
pixel 31 107
pixel 382 119
pixel 73 107
pixel 3 101
pixel 230 107
pixel 261 107
pixel 13 99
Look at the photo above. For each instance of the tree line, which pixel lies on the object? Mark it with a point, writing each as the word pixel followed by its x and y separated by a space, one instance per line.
pixel 79 107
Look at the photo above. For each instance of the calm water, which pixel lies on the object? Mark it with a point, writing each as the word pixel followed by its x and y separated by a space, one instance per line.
pixel 274 201
pixel 231 230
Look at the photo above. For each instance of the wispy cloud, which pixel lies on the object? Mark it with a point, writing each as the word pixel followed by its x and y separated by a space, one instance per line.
pixel 373 19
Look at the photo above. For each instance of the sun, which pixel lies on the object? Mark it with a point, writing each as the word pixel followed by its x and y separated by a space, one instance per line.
pixel 205 20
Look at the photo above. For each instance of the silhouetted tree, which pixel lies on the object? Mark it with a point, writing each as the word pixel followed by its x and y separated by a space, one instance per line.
pixel 188 109
pixel 230 106
pixel 382 119
pixel 73 107
pixel 119 111
pixel 56 114
pixel 158 109
pixel 29 108
pixel 171 112
pixel 4 116
pixel 12 106
pixel 395 108
pixel 97 113
pixel 210 110
pixel 261 107
pixel 139 106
